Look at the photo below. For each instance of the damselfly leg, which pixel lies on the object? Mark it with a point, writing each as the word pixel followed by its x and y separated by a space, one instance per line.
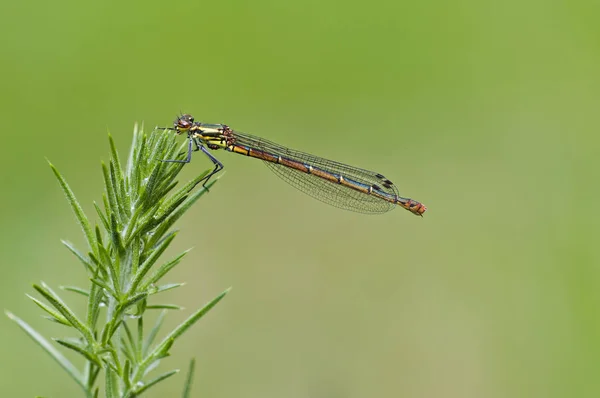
pixel 218 166
pixel 199 147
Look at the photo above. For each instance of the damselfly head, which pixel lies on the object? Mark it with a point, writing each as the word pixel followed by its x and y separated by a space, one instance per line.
pixel 183 123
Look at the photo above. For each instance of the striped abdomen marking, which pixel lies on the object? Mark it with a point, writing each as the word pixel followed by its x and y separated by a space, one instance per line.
pixel 333 178
pixel 413 206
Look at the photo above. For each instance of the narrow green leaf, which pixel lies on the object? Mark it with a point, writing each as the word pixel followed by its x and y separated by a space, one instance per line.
pixel 133 152
pixel 94 302
pixel 140 337
pixel 107 208
pixel 135 255
pixel 57 303
pixel 166 224
pixel 76 289
pixel 110 191
pixel 111 383
pixel 183 327
pixel 103 218
pixel 75 346
pixel 165 212
pixel 53 352
pixel 119 196
pixel 107 330
pixel 99 236
pixel 116 235
pixel 140 308
pixel 184 190
pixel 138 165
pixel 104 286
pixel 166 236
pixel 84 260
pixel 79 213
pixel 164 307
pixel 168 178
pixel 112 367
pixel 87 371
pixel 161 350
pixel 115 156
pixel 167 187
pixel 98 264
pixel 147 194
pixel 94 371
pixel 164 349
pixel 133 299
pixel 132 342
pixel 153 332
pixel 145 267
pixel 157 148
pixel 154 381
pixel 52 319
pixel 131 224
pixel 119 174
pixel 187 388
pixel 126 350
pixel 136 184
pixel 110 328
pixel 164 288
pixel 127 374
pixel 176 151
pixel 53 314
pixel 113 269
pixel 115 361
pixel 163 270
pixel 144 224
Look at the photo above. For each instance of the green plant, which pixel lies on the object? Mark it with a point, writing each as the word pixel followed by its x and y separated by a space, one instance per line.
pixel 139 213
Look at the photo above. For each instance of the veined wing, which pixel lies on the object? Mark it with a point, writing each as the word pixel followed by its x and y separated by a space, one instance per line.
pixel 332 193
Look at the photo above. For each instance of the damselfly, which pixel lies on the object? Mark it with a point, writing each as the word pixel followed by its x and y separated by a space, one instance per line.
pixel 335 183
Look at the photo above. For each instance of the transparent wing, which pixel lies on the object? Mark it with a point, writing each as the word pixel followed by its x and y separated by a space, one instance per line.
pixel 332 193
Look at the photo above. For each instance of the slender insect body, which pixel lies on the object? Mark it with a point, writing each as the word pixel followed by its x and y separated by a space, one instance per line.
pixel 335 183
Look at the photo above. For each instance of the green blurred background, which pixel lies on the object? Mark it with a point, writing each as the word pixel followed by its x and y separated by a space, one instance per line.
pixel 485 111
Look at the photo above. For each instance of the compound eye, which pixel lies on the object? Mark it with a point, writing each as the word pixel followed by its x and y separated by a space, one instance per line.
pixel 187 117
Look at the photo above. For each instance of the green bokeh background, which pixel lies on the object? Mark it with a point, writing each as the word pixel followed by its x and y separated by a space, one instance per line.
pixel 485 111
